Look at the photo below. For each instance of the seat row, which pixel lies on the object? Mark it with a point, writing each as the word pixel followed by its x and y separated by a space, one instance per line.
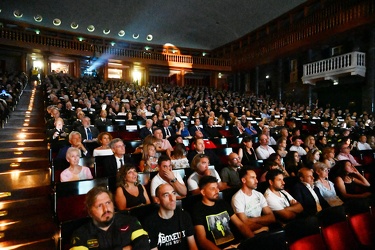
pixel 343 227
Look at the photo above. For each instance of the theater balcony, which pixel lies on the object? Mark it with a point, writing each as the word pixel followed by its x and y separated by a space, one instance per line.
pixel 353 63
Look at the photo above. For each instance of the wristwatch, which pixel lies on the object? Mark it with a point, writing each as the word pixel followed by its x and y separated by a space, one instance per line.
pixel 174 180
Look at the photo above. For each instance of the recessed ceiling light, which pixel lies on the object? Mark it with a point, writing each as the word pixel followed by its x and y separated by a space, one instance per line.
pixel 121 33
pixel 17 13
pixel 149 37
pixel 38 18
pixel 113 44
pixel 91 28
pixel 135 36
pixel 106 31
pixel 56 22
pixel 74 25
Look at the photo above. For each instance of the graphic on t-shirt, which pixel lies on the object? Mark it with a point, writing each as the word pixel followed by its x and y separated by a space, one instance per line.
pixel 218 225
pixel 171 239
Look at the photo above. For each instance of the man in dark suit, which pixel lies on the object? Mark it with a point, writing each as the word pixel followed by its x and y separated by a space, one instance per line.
pixel 114 162
pixel 196 126
pixel 102 122
pixel 89 133
pixel 200 148
pixel 167 131
pixel 211 131
pixel 75 141
pixel 146 130
pixel 308 195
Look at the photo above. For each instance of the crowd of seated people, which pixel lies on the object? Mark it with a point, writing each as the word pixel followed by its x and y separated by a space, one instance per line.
pixel 288 147
pixel 11 88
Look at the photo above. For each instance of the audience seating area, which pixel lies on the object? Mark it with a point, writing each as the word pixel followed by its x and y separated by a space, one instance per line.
pixel 344 228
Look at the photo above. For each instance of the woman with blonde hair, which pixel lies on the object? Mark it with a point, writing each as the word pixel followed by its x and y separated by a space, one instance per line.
pixel 309 143
pixel 129 192
pixel 149 162
pixel 328 157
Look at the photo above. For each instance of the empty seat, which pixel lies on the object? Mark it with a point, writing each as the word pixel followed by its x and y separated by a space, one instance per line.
pixel 363 226
pixel 339 236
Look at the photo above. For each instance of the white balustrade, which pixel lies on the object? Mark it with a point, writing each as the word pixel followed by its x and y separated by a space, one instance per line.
pixel 353 63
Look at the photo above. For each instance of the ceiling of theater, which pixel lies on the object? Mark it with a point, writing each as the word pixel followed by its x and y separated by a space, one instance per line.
pixel 200 24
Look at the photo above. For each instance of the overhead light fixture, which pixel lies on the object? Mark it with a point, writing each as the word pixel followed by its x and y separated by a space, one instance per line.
pixel 149 37
pixel 90 28
pixel 121 33
pixel 204 53
pixel 135 36
pixel 56 22
pixel 74 25
pixel 37 32
pixel 335 82
pixel 80 39
pixel 113 44
pixel 38 18
pixel 17 13
pixel 106 31
pixel 267 76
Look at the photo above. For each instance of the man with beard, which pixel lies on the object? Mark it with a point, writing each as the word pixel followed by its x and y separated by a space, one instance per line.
pixel 214 219
pixel 283 205
pixel 108 230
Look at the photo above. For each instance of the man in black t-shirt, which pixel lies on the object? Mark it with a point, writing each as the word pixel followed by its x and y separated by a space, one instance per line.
pixel 169 228
pixel 107 230
pixel 212 217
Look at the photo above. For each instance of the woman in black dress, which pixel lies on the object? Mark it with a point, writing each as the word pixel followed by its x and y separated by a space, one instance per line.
pixel 129 192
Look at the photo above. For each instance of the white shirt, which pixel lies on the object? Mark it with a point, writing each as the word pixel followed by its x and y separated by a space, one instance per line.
pixel 264 152
pixel 363 146
pixel 157 180
pixel 251 205
pixel 299 149
pixel 275 202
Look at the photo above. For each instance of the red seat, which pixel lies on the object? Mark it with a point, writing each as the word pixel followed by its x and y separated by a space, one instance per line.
pixel 339 236
pixel 69 203
pixel 311 242
pixel 363 225
pixel 225 133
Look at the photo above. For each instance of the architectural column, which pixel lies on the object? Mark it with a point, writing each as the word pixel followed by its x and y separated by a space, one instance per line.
pixel 279 78
pixel 368 93
pixel 257 80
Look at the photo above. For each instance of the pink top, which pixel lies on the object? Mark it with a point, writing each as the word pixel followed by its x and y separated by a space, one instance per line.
pixel 67 175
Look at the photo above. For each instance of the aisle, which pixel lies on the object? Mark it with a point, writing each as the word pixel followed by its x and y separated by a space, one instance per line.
pixel 26 220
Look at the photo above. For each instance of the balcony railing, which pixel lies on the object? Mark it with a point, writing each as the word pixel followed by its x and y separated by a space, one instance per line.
pixel 353 63
pixel 50 43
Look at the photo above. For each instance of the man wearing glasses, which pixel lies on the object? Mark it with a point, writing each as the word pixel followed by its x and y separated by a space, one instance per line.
pixel 229 174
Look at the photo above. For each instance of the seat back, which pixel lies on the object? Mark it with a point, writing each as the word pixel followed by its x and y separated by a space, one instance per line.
pixel 69 198
pixel 66 231
pixel 311 242
pixel 339 236
pixel 274 240
pixel 363 226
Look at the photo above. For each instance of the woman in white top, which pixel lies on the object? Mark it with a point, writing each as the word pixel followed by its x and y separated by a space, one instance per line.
pixel 326 187
pixel 103 138
pixel 74 172
pixel 178 158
